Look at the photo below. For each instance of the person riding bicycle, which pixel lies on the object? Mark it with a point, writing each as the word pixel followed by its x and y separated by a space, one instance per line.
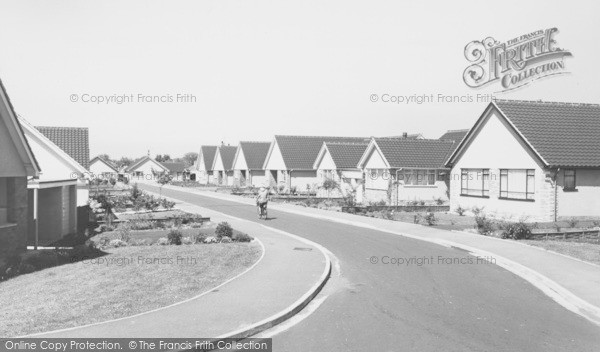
pixel 262 199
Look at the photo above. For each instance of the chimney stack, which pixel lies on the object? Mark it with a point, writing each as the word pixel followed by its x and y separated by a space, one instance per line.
pixel 404 134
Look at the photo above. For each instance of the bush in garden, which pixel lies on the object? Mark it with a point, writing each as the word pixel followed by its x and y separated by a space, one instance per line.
pixel 187 240
pixel 430 219
pixel 517 231
pixel 223 230
pixel 241 237
pixel 226 240
pixel 200 238
pixel 124 232
pixel 572 222
pixel 439 201
pixel 174 237
pixel 211 239
pixel 460 210
pixel 135 192
pixel 167 204
pixel 116 243
pixel 484 225
pixel 477 210
pixel 163 241
pixel 103 242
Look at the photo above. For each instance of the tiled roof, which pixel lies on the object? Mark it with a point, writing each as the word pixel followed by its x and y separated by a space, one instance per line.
pixel 255 153
pixel 107 162
pixel 227 154
pixel 209 152
pixel 417 153
pixel 175 167
pixel 346 155
pixel 72 140
pixel 455 136
pixel 564 134
pixel 300 152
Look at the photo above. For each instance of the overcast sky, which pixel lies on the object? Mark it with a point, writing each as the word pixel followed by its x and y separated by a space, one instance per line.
pixel 259 68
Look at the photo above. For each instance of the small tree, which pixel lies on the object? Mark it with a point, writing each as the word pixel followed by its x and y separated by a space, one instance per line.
pixel 164 179
pixel 330 184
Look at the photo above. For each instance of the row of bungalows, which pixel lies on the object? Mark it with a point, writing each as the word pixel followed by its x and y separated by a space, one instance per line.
pixel 42 181
pixel 537 161
pixel 145 169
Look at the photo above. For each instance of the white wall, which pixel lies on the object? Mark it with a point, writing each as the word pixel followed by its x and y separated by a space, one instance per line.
pixel 98 168
pixel 259 178
pixel 11 163
pixel 275 161
pixel 585 201
pixel 300 179
pixel 495 147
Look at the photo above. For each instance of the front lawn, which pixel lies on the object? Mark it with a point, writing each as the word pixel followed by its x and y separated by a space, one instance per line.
pixel 126 281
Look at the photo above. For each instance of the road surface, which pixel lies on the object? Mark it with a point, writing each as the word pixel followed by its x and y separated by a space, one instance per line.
pixel 451 302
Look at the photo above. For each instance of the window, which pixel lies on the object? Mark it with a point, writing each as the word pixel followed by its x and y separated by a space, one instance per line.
pixel 417 177
pixel 517 184
pixel 3 200
pixel 569 181
pixel 475 182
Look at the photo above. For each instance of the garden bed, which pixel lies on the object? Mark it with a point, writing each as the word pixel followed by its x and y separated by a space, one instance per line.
pixel 402 208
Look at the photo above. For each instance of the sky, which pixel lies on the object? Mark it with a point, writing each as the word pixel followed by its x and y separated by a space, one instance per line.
pixel 260 68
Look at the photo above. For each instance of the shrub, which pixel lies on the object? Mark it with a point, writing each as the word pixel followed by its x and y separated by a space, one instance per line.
pixel 241 237
pixel 116 243
pixel 572 222
pixel 223 230
pixel 417 219
pixel 211 239
pixel 200 238
pixel 167 204
pixel 163 241
pixel 439 201
pixel 430 219
pixel 174 237
pixel 124 232
pixel 517 231
pixel 135 192
pixel 484 225
pixel 187 240
pixel 460 210
pixel 477 211
pixel 421 202
pixel 103 242
pixel 226 240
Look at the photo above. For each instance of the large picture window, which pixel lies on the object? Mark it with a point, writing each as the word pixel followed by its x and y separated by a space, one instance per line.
pixel 569 181
pixel 517 184
pixel 475 182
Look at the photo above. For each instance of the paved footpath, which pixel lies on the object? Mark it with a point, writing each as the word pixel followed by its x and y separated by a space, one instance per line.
pixel 287 274
pixel 573 283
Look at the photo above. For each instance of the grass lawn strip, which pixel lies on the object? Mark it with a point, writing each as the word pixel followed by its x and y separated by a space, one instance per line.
pixel 84 292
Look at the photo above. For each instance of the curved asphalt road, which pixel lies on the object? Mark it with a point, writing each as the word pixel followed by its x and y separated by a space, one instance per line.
pixel 435 307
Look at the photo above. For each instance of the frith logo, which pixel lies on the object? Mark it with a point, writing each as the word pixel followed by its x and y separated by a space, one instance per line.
pixel 515 63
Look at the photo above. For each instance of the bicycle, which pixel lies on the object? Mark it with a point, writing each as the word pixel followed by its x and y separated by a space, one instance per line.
pixel 262 210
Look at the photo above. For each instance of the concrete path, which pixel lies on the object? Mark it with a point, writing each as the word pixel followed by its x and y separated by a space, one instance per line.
pixel 288 275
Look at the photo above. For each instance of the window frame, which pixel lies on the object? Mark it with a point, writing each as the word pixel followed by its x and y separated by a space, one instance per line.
pixel 570 189
pixel 528 173
pixel 485 193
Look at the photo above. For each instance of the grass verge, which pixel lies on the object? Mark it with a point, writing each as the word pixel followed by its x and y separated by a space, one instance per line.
pixel 589 252
pixel 91 291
